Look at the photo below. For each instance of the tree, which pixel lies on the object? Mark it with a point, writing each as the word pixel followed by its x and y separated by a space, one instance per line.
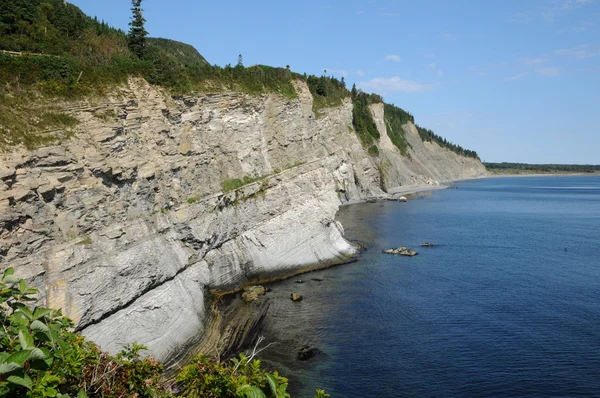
pixel 354 91
pixel 240 61
pixel 137 32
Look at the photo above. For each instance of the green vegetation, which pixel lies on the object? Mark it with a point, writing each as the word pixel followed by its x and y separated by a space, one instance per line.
pixel 21 124
pixel 373 150
pixel 524 168
pixel 327 92
pixel 136 38
pixel 395 118
pixel 230 185
pixel 428 135
pixel 41 357
pixel 66 54
pixel 362 118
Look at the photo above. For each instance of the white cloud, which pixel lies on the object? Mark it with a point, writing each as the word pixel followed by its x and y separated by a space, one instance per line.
pixel 438 72
pixel 395 58
pixel 395 83
pixel 448 36
pixel 580 52
pixel 559 7
pixel 520 18
pixel 535 61
pixel 551 71
pixel 516 77
pixel 360 73
pixel 340 72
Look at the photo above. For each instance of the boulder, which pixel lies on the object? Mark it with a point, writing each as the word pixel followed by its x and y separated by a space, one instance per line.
pixel 251 293
pixel 307 352
pixel 296 297
pixel 427 244
pixel 402 199
pixel 403 251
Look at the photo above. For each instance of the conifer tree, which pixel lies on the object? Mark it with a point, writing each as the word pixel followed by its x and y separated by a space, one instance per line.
pixel 137 32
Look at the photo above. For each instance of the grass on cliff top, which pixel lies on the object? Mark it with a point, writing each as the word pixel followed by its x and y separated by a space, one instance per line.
pixel 32 127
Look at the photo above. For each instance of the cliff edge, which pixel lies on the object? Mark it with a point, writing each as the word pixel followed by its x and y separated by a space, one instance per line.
pixel 159 202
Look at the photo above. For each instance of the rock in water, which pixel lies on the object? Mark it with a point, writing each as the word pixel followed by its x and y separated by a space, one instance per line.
pixel 251 293
pixel 296 297
pixel 403 251
pixel 402 199
pixel 308 352
pixel 427 244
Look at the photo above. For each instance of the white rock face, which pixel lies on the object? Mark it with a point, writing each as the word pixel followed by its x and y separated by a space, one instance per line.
pixel 127 226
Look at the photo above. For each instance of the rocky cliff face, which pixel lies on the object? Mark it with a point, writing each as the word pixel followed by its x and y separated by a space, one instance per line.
pixel 129 229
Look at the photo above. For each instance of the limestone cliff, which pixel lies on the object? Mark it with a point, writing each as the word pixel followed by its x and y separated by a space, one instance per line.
pixel 129 229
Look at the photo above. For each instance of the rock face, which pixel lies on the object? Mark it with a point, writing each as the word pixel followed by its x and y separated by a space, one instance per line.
pixel 131 225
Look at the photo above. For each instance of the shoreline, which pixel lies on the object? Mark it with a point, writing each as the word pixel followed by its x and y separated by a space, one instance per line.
pixel 543 175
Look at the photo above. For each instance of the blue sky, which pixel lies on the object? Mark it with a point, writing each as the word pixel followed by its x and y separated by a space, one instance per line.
pixel 516 81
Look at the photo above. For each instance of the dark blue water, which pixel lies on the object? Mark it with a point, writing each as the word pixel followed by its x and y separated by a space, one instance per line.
pixel 497 308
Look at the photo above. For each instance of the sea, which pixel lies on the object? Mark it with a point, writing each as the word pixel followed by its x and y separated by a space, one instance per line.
pixel 505 304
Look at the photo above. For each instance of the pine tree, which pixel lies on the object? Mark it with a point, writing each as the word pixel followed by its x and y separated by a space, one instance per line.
pixel 354 91
pixel 240 61
pixel 137 33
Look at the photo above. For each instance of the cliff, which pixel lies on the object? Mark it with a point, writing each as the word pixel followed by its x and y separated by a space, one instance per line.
pixel 132 225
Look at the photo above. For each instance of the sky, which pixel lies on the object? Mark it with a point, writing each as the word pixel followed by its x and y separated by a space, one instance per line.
pixel 514 80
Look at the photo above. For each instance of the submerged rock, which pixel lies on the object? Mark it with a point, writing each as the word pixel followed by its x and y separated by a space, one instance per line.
pixel 251 293
pixel 307 352
pixel 296 297
pixel 427 244
pixel 403 251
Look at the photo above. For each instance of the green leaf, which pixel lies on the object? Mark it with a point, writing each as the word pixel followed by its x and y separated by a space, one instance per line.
pixel 38 364
pixel 36 353
pixel 251 391
pixel 39 326
pixel 27 312
pixel 51 392
pixel 22 286
pixel 24 381
pixel 41 312
pixel 8 272
pixel 26 340
pixel 82 394
pixel 19 357
pixel 272 384
pixel 7 367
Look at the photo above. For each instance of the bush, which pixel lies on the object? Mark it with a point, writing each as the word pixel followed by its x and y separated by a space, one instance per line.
pixel 41 357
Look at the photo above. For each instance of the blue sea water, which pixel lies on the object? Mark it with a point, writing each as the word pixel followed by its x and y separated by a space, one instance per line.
pixel 507 304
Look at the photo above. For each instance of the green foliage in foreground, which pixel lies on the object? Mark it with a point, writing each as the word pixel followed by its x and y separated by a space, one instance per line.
pixel 541 168
pixel 41 357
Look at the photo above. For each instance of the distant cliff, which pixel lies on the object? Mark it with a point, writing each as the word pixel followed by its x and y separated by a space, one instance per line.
pixel 157 202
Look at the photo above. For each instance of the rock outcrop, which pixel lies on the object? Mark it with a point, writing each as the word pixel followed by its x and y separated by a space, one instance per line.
pixel 132 225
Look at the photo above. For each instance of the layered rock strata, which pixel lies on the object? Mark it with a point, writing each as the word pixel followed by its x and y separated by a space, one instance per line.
pixel 159 202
